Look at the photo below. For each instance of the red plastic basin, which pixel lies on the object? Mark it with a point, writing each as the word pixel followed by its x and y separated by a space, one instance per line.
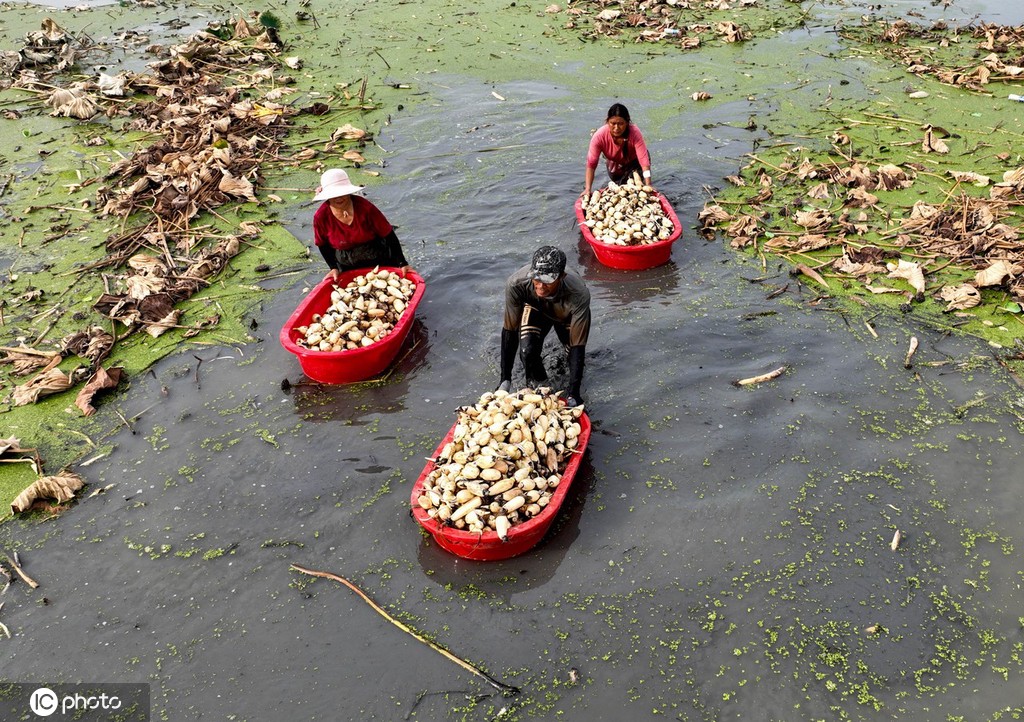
pixel 342 367
pixel 521 537
pixel 632 258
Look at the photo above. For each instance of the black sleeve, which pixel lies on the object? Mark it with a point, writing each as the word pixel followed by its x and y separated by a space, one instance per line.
pixel 327 251
pixel 393 250
pixel 509 345
pixel 576 354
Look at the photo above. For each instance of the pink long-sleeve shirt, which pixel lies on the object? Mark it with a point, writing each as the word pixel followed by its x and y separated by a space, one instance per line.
pixel 618 158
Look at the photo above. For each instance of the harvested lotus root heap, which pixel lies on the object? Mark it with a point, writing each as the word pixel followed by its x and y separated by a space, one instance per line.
pixel 504 461
pixel 626 215
pixel 360 314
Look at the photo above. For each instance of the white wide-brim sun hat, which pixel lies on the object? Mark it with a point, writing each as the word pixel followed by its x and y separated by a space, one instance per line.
pixel 334 183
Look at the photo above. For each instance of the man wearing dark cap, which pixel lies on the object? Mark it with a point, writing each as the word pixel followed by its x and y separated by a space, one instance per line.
pixel 539 297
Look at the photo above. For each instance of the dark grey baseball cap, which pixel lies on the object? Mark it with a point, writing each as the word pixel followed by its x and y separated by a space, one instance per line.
pixel 548 264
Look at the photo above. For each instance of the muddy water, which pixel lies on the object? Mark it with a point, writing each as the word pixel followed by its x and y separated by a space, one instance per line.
pixel 720 556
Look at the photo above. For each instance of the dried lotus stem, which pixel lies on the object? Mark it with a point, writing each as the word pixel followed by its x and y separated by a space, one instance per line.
pixel 910 352
pixel 21 572
pixel 762 378
pixel 505 689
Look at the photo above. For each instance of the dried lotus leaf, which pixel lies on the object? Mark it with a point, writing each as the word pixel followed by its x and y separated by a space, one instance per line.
pixel 61 487
pixel 236 186
pixel 960 297
pixel 995 273
pixel 81 108
pixel 348 132
pixel 909 271
pixel 46 383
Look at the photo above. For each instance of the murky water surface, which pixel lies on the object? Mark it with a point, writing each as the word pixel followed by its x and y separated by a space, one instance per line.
pixel 706 518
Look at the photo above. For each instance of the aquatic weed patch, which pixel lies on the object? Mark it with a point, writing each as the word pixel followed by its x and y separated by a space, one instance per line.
pixel 830 605
pixel 683 24
pixel 875 213
pixel 61 283
pixel 984 58
pixel 856 625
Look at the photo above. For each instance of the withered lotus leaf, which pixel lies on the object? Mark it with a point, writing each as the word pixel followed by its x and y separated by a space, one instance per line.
pixel 101 380
pixel 238 187
pixel 61 487
pixel 816 219
pixel 996 273
pixel 960 297
pixel 845 264
pixel 803 243
pixel 819 192
pixel 743 231
pixel 891 176
pixel 348 132
pixel 860 198
pixel 910 271
pixel 932 144
pixel 44 384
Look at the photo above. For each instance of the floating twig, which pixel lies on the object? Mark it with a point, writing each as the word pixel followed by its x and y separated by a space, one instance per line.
pixel 762 378
pixel 910 352
pixel 896 538
pixel 961 410
pixel 811 273
pixel 871 329
pixel 385 62
pixel 124 421
pixel 21 572
pixel 101 490
pixel 505 689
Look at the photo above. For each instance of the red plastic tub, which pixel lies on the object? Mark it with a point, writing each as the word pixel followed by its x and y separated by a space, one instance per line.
pixel 632 258
pixel 521 537
pixel 342 367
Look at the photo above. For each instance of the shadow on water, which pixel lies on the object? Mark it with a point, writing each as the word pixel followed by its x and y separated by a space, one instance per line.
pixel 527 572
pixel 622 287
pixel 354 403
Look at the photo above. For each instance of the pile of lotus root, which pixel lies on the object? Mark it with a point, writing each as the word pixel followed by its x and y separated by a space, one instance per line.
pixel 503 463
pixel 360 314
pixel 626 215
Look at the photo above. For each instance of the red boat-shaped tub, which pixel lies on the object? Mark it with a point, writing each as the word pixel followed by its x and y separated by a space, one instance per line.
pixel 521 537
pixel 342 367
pixel 632 258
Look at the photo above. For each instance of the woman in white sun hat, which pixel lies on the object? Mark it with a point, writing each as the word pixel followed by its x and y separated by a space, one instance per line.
pixel 350 231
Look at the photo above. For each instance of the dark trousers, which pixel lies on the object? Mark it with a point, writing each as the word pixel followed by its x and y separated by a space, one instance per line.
pixel 533 329
pixel 625 174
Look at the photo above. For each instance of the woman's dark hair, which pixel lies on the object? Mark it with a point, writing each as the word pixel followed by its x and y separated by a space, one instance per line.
pixel 618 110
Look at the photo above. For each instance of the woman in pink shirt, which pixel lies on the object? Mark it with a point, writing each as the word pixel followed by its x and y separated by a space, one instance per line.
pixel 622 145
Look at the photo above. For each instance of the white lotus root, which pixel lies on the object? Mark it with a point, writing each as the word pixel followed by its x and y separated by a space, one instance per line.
pixel 627 215
pixel 362 313
pixel 503 463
